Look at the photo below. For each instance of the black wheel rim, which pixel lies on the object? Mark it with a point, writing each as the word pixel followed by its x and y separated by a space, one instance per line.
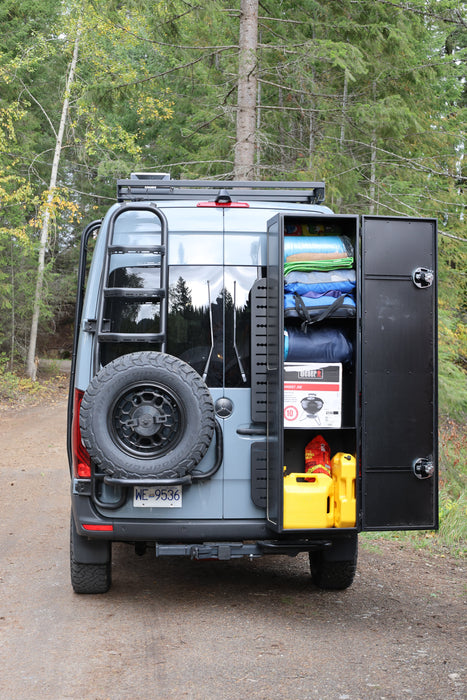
pixel 146 421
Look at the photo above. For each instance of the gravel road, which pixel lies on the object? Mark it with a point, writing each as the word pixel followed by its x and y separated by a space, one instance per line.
pixel 172 628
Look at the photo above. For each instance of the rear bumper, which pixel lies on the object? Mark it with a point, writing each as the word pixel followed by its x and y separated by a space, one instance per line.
pixel 87 518
pixel 90 523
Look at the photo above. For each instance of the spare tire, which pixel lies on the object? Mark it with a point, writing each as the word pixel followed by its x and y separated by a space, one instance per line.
pixel 147 414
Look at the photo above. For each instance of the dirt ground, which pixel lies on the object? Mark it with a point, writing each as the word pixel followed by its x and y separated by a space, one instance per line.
pixel 172 628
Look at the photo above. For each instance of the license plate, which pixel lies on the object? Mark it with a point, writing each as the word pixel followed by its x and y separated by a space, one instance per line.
pixel 157 497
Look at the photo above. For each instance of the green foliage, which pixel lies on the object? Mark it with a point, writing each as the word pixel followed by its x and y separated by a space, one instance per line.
pixel 453 364
pixel 12 386
pixel 453 481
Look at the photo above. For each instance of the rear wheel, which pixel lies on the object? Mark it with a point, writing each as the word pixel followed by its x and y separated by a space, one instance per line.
pixel 333 575
pixel 90 578
pixel 93 576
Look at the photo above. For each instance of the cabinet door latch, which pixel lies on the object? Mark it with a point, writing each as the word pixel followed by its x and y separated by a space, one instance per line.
pixel 422 277
pixel 423 468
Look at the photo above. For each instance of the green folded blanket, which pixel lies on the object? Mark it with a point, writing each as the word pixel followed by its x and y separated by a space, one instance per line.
pixel 328 264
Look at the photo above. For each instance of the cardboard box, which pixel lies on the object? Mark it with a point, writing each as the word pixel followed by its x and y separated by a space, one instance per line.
pixel 312 395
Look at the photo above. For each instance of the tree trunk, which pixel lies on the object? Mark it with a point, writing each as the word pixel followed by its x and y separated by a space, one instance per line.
pixel 373 173
pixel 31 367
pixel 13 310
pixel 344 110
pixel 244 161
pixel 373 161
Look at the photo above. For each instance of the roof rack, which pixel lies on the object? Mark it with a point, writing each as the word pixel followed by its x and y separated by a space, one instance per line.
pixel 138 189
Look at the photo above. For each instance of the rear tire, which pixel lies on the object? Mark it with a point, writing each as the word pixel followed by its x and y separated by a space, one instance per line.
pixel 88 578
pixel 332 575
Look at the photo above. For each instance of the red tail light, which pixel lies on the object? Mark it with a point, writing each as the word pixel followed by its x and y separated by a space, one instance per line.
pixel 98 528
pixel 81 458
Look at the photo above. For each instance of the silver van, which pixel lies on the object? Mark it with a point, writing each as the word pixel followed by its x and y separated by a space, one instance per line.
pixel 252 374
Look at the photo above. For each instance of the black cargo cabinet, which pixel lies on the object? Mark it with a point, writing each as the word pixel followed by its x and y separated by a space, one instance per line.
pixel 388 409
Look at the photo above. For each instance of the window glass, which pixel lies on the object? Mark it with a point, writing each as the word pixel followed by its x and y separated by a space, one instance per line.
pixel 238 282
pixel 245 236
pixel 188 248
pixel 131 315
pixel 209 322
pixel 135 227
pixel 135 277
pixel 245 249
pixel 195 319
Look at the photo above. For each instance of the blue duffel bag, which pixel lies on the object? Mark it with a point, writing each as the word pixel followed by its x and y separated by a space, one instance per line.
pixel 312 309
pixel 317 344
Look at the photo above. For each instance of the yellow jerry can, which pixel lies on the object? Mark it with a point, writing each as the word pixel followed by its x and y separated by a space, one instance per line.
pixel 308 501
pixel 343 470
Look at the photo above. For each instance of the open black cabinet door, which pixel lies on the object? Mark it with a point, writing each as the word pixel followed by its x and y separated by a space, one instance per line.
pixel 399 377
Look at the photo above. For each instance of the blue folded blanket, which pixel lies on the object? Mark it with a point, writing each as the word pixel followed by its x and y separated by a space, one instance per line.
pixel 317 276
pixel 320 289
pixel 325 245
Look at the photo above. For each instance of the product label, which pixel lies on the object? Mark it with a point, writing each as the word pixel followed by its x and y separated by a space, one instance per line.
pixel 312 395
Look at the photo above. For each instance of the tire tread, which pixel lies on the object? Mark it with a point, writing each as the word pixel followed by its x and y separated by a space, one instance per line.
pixel 90 578
pixel 332 575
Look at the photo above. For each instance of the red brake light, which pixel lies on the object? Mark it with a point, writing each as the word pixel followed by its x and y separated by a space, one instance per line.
pixel 230 205
pixel 81 458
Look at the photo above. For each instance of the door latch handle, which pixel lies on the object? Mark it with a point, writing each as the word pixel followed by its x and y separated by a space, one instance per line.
pixel 423 277
pixel 423 468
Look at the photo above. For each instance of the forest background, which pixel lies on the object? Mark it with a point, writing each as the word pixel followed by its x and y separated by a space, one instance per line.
pixel 368 95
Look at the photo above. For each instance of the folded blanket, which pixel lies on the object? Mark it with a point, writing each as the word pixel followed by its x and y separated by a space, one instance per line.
pixel 307 265
pixel 318 277
pixel 338 246
pixel 321 288
pixel 297 257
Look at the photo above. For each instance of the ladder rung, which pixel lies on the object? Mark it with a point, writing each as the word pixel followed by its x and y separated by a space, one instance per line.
pixel 134 293
pixel 136 249
pixel 131 337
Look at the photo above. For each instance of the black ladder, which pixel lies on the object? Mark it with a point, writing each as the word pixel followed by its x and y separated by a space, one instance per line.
pixel 158 295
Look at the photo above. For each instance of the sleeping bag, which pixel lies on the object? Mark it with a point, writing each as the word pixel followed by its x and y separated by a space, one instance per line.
pixel 318 344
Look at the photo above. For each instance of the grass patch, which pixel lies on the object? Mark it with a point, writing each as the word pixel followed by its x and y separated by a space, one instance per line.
pixel 452 483
pixel 451 538
pixel 17 391
pixel 14 387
